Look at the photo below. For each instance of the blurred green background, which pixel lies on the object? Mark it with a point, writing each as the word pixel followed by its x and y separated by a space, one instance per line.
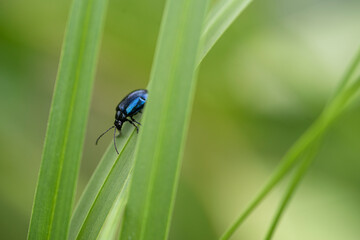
pixel 261 86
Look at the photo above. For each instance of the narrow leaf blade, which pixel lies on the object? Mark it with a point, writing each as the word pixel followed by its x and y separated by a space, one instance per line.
pixel 108 183
pixel 67 122
pixel 158 154
pixel 218 26
pixel 219 19
pixel 344 95
pixel 295 181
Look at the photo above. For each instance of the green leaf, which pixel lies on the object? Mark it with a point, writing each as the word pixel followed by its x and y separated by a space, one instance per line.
pixel 299 174
pixel 166 117
pixel 111 227
pixel 302 169
pixel 349 74
pixel 344 94
pixel 67 122
pixel 219 19
pixel 92 194
pixel 107 184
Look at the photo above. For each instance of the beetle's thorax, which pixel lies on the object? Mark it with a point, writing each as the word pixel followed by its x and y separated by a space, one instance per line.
pixel 120 116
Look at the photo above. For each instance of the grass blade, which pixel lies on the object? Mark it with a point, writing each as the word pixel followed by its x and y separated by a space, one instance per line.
pixel 219 19
pixel 301 171
pixel 161 141
pixel 87 201
pixel 111 227
pixel 333 109
pixel 108 183
pixel 349 74
pixel 299 174
pixel 67 122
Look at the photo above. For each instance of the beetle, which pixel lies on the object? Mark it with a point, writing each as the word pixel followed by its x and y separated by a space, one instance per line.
pixel 129 106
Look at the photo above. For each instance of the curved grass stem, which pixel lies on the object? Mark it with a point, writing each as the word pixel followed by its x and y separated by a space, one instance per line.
pixel 299 174
pixel 342 98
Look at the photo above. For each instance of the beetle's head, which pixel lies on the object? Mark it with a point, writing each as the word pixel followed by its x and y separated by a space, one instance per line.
pixel 118 124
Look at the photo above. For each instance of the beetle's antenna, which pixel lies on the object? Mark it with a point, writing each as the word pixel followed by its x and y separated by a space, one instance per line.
pixel 115 142
pixel 103 134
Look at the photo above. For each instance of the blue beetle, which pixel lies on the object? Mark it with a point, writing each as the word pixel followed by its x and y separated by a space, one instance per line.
pixel 131 105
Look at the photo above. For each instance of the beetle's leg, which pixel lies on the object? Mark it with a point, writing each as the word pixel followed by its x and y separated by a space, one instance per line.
pixel 137 128
pixel 132 119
